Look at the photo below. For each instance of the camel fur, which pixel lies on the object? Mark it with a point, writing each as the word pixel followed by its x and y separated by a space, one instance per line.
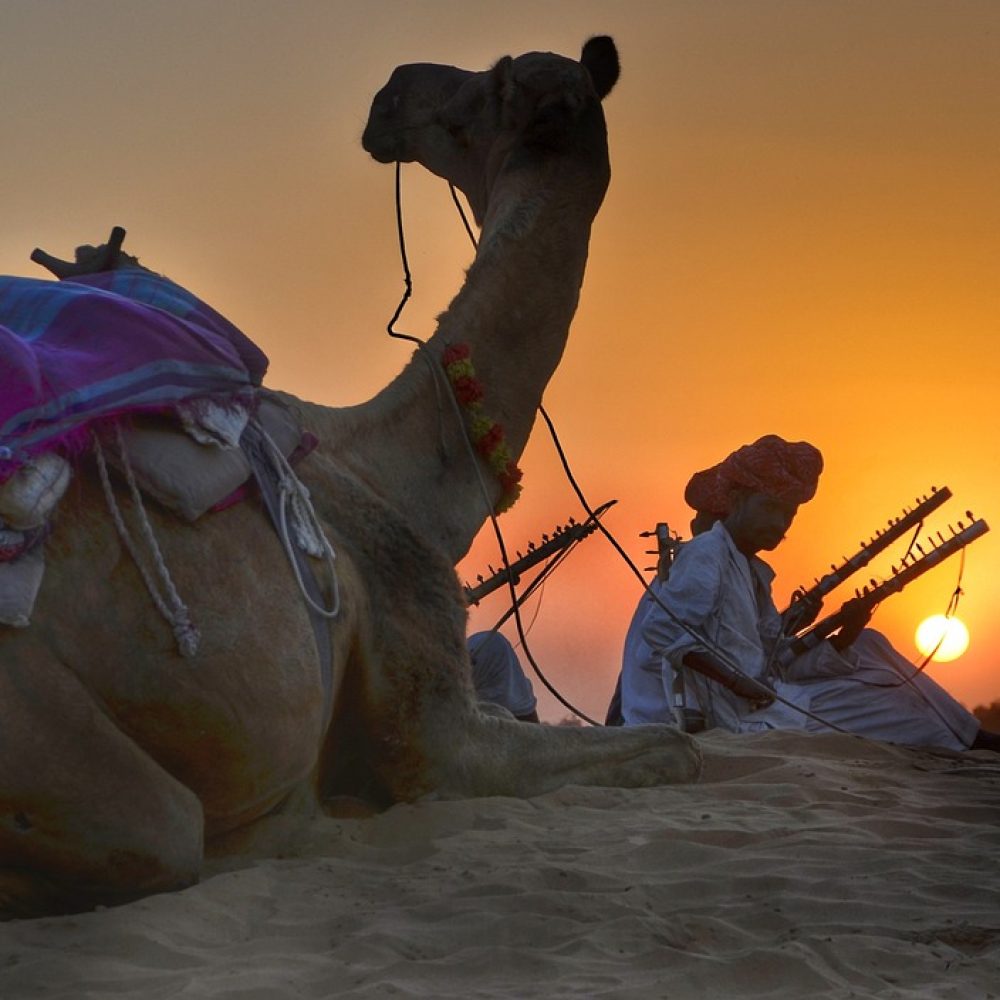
pixel 124 766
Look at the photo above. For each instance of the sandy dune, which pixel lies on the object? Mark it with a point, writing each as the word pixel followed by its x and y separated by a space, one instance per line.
pixel 801 867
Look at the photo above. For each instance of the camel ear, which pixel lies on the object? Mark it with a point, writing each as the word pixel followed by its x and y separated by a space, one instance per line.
pixel 502 83
pixel 600 57
pixel 494 89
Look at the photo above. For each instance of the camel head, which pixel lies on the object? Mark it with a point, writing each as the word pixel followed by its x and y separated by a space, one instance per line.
pixel 468 127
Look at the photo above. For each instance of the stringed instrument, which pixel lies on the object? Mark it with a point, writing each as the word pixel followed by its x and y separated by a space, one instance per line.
pixel 668 544
pixel 867 551
pixel 911 567
pixel 550 545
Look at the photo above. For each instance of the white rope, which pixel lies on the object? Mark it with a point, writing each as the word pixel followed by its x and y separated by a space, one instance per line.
pixel 311 537
pixel 175 612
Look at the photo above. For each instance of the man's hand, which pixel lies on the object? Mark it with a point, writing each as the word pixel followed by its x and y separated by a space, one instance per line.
pixel 801 612
pixel 856 614
pixel 759 695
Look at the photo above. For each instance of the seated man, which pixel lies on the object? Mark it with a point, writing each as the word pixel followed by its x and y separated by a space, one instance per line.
pixel 498 677
pixel 719 614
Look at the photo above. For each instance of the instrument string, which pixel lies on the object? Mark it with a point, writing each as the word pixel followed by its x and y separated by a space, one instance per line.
pixel 704 640
pixel 438 376
pixel 517 600
pixel 918 669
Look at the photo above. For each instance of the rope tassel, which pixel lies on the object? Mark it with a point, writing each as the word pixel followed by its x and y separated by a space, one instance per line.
pixel 169 604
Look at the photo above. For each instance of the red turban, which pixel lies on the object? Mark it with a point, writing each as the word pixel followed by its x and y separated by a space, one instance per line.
pixel 788 470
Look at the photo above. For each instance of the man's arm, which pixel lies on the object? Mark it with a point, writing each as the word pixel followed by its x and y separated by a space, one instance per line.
pixel 760 695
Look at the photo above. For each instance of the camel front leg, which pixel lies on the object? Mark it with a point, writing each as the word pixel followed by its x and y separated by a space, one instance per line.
pixel 431 737
pixel 423 730
pixel 489 755
pixel 86 817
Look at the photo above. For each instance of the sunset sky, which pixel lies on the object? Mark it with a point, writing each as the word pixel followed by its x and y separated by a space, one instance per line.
pixel 802 236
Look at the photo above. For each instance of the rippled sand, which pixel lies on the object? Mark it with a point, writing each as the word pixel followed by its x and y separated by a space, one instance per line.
pixel 800 867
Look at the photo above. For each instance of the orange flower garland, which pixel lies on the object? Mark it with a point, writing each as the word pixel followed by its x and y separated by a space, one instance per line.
pixel 487 435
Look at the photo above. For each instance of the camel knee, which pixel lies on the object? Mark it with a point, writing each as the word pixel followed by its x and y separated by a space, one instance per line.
pixel 148 862
pixel 69 858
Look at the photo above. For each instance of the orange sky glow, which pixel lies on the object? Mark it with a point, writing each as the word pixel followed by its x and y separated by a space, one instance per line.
pixel 802 236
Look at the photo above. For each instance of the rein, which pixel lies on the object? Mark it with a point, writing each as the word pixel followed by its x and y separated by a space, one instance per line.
pixel 591 513
pixel 436 373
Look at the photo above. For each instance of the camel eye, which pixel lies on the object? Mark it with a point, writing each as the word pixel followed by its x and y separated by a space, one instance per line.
pixel 457 130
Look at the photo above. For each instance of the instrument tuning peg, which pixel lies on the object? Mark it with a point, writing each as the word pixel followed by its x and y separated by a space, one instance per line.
pixel 968 514
pixel 857 592
pixel 480 578
pixel 961 527
pixel 895 571
pixel 572 520
pixel 520 554
pixel 531 546
pixel 940 538
pixel 833 567
pixel 545 537
pixel 873 582
pixel 920 548
pixel 491 569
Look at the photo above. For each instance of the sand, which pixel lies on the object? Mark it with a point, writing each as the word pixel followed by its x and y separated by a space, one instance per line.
pixel 801 866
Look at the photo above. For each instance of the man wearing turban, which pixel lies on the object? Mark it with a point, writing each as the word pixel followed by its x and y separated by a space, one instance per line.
pixel 711 644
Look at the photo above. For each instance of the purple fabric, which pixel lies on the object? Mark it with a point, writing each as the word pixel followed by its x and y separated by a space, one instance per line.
pixel 105 344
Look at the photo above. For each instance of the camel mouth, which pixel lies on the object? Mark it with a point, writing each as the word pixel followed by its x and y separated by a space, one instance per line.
pixel 382 145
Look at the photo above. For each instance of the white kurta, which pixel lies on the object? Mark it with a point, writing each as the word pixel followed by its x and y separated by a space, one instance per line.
pixel 497 673
pixel 724 598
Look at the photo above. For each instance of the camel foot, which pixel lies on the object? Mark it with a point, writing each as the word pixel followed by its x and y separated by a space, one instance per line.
pixel 501 757
pixel 27 896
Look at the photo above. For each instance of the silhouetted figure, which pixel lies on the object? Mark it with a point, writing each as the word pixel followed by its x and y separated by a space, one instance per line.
pixel 720 588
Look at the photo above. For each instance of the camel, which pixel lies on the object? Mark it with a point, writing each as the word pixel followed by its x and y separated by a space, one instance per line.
pixel 123 766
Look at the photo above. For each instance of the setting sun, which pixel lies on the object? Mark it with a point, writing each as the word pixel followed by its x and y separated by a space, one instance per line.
pixel 945 638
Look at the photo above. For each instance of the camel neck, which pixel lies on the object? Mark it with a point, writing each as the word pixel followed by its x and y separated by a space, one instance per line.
pixel 513 313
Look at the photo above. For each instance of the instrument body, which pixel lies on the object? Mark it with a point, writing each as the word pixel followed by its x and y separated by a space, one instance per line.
pixel 910 569
pixel 801 610
pixel 560 539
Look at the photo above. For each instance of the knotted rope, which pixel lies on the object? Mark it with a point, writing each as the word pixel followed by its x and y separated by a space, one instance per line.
pixel 170 605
